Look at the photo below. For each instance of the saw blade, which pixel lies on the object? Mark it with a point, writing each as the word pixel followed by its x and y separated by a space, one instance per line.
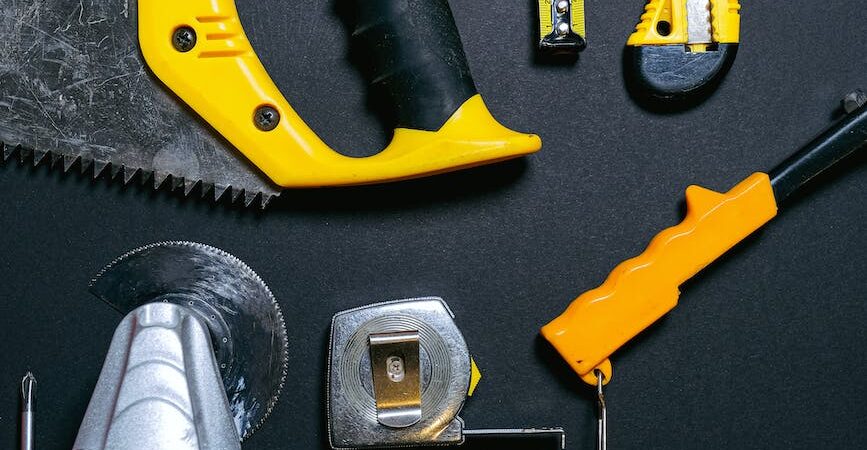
pixel 75 88
pixel 245 321
pixel 698 22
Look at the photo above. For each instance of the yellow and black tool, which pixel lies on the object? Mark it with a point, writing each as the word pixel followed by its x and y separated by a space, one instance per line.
pixel 641 290
pixel 561 27
pixel 683 47
pixel 115 112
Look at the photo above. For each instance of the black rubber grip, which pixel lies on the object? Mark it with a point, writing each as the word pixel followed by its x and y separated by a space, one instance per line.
pixel 412 52
pixel 835 144
pixel 672 72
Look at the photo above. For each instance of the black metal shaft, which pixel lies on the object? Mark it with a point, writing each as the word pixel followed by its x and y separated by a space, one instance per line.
pixel 836 143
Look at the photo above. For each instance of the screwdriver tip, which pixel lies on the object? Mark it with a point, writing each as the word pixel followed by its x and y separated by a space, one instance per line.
pixel 28 386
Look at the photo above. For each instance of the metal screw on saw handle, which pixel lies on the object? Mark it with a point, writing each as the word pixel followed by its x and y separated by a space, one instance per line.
pixel 266 118
pixel 184 39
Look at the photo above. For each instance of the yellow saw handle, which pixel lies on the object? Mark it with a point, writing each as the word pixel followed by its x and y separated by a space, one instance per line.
pixel 199 49
pixel 641 290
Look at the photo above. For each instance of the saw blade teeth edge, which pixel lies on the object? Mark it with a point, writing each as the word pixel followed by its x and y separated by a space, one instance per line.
pixel 160 179
pixel 205 191
pixel 236 194
pixel 69 161
pixel 219 191
pixel 175 182
pixel 272 402
pixel 97 168
pixel 86 165
pixel 5 151
pixel 249 198
pixel 266 200
pixel 128 174
pixel 24 155
pixel 189 185
pixel 38 157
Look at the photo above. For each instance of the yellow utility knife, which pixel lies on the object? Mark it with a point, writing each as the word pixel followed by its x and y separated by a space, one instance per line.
pixel 683 47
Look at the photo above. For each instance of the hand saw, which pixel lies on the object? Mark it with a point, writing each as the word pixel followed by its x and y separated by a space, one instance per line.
pixel 104 82
pixel 682 48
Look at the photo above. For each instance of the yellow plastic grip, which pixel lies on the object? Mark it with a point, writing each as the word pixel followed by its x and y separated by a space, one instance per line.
pixel 641 290
pixel 725 22
pixel 222 79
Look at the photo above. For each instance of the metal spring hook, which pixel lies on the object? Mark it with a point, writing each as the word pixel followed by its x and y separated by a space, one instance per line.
pixel 602 414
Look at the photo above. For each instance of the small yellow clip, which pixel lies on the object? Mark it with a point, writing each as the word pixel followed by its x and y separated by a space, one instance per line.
pixel 475 377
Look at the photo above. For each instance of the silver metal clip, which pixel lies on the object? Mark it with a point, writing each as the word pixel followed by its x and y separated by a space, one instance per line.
pixel 561 15
pixel 394 363
pixel 602 413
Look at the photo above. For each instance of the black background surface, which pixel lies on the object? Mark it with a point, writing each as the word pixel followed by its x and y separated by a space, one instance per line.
pixel 766 350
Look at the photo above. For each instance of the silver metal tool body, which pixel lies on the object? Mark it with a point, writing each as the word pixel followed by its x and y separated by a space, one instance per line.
pixel 28 394
pixel 444 367
pixel 160 387
pixel 198 362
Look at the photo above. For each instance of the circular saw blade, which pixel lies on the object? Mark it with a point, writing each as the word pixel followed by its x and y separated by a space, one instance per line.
pixel 245 321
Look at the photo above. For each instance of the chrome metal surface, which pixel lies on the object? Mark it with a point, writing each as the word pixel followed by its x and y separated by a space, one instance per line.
pixel 561 17
pixel 160 387
pixel 245 324
pixel 444 375
pixel 698 22
pixel 28 395
pixel 396 378
pixel 74 97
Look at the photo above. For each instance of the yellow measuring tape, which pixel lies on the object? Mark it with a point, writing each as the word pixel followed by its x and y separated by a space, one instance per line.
pixel 548 16
pixel 562 27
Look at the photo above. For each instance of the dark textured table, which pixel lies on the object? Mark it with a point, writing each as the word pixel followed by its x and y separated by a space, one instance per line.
pixel 766 350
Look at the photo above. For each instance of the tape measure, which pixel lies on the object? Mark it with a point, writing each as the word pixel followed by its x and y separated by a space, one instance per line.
pixel 399 373
pixel 561 27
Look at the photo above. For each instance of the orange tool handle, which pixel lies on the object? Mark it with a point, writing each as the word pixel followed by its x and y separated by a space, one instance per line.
pixel 641 290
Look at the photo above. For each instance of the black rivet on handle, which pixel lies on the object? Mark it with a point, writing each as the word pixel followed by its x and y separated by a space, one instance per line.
pixel 266 118
pixel 184 39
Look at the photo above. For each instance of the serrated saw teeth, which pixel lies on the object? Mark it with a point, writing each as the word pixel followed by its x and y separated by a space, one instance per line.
pixel 250 343
pixel 96 168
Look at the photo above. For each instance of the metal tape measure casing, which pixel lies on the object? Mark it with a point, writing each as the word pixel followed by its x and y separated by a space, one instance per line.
pixel 444 372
